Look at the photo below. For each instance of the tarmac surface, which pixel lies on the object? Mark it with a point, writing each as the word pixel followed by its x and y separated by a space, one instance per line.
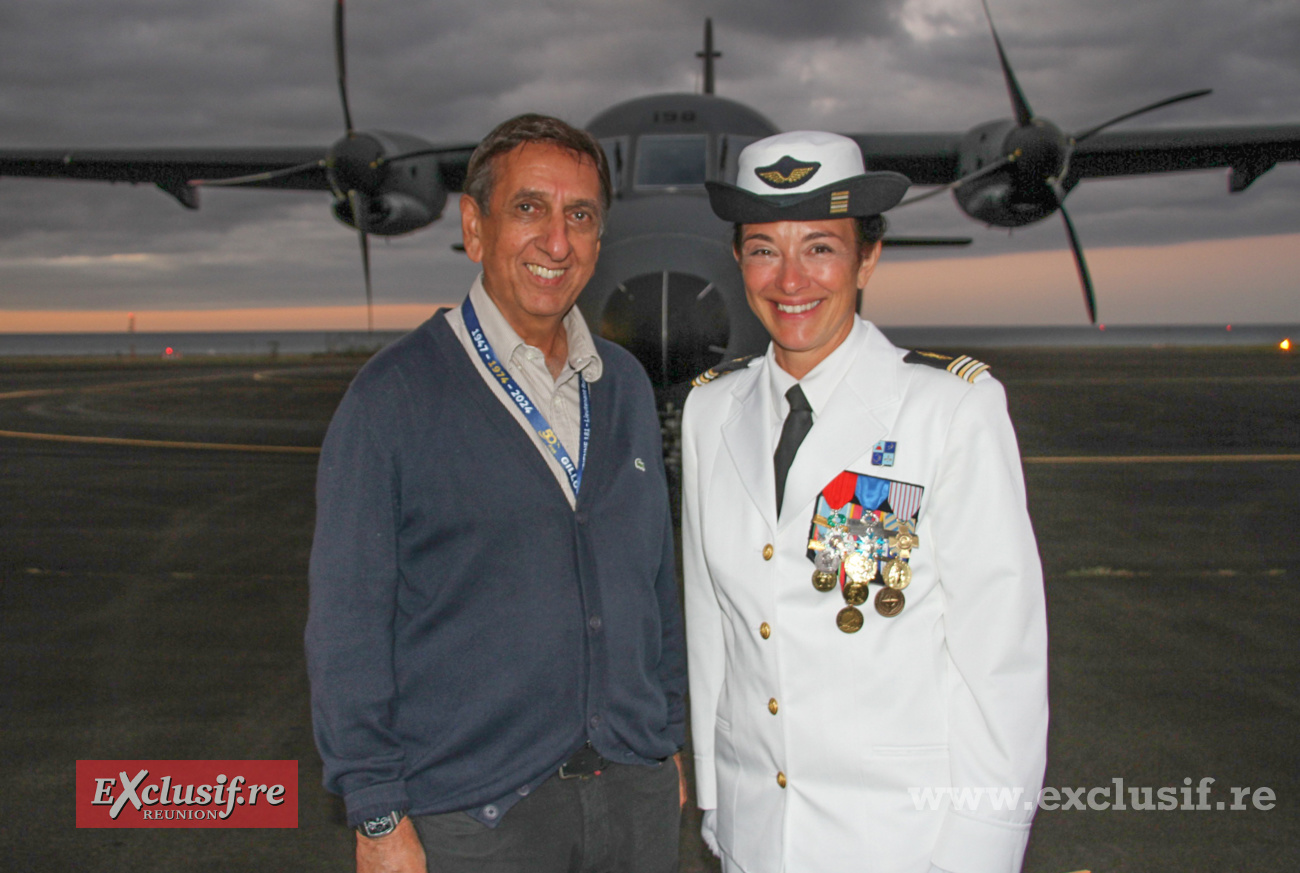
pixel 152 598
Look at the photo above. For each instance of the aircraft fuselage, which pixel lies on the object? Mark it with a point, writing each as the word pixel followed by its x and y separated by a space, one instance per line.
pixel 667 286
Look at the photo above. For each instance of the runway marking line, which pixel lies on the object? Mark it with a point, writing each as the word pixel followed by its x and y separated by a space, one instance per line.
pixel 110 387
pixel 1159 459
pixel 259 375
pixel 315 450
pixel 160 444
pixel 1127 379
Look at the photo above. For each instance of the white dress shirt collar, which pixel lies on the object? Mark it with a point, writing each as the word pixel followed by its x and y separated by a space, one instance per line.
pixel 819 383
pixel 582 358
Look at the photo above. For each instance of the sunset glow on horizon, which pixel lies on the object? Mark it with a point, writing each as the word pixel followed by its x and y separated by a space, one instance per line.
pixel 1247 280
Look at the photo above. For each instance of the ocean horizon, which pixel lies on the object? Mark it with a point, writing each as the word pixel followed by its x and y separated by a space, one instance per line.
pixel 322 342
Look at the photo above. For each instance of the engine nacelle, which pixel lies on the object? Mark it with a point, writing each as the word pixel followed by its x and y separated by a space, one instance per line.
pixel 391 213
pixel 982 145
pixel 1020 192
pixel 999 200
pixel 398 197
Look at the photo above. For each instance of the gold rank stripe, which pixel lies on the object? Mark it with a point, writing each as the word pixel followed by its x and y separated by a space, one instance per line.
pixel 721 369
pixel 967 367
pixel 839 202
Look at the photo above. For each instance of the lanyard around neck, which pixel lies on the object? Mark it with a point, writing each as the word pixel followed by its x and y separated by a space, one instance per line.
pixel 526 406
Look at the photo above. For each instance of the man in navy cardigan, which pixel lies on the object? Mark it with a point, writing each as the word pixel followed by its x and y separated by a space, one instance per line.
pixel 494 640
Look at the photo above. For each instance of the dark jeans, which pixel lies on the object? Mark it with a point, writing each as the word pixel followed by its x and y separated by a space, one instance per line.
pixel 626 820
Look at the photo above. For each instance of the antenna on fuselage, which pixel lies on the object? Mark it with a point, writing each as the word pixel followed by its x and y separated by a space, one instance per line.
pixel 708 55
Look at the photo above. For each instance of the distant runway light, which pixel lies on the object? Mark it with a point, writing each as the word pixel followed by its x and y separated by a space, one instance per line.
pixel 1101 327
pixel 170 351
pixel 1229 328
pixel 1285 345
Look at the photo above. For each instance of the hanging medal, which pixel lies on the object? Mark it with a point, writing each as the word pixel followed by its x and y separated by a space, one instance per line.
pixel 889 602
pixel 849 619
pixel 858 539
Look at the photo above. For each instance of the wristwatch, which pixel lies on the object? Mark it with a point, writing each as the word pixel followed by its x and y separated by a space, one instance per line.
pixel 382 826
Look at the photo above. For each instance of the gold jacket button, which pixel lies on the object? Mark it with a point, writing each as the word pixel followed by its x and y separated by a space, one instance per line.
pixel 780 779
pixel 772 707
pixel 764 630
pixel 767 552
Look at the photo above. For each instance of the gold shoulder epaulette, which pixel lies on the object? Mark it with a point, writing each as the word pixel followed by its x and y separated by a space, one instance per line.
pixel 721 370
pixel 959 365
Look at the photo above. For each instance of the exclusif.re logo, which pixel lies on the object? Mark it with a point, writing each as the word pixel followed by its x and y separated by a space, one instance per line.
pixel 198 794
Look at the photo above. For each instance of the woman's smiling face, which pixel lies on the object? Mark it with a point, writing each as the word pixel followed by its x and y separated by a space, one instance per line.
pixel 802 280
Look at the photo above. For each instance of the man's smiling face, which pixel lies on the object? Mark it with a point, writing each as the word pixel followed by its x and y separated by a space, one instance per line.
pixel 539 239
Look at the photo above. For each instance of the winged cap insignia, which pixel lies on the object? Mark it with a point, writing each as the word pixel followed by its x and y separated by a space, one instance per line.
pixel 787 172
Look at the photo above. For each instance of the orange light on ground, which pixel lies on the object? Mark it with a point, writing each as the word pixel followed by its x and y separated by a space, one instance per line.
pixel 1229 328
pixel 1285 345
pixel 170 351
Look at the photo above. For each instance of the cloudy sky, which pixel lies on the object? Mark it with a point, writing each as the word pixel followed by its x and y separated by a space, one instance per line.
pixel 260 72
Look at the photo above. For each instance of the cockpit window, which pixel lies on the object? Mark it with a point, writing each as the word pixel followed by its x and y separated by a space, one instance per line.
pixel 729 149
pixel 671 161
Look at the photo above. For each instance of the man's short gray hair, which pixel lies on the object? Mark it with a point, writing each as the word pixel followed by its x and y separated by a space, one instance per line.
pixel 532 128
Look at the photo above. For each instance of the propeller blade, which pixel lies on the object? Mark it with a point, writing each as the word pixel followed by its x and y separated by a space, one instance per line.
pixel 341 64
pixel 258 177
pixel 358 218
pixel 1190 95
pixel 982 171
pixel 1024 115
pixel 1084 278
pixel 418 153
pixel 370 300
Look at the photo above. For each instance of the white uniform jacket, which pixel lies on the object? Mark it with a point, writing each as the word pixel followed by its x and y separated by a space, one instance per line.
pixel 826 751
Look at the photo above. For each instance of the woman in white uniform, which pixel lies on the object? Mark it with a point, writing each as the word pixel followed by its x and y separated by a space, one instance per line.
pixel 864 599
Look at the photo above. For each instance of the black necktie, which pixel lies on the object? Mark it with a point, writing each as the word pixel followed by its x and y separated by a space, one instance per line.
pixel 796 427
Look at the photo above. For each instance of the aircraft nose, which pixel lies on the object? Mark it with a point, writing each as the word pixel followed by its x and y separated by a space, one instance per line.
pixel 674 298
pixel 676 324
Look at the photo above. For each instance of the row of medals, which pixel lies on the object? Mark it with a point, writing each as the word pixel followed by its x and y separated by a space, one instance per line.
pixel 858 547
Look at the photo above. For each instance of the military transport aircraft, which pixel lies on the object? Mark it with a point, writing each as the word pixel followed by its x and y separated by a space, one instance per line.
pixel 666 286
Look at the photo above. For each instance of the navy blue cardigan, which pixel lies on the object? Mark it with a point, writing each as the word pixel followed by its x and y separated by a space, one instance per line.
pixel 468 630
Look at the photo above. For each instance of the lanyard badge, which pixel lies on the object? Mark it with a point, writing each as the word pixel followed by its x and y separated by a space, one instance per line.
pixel 525 405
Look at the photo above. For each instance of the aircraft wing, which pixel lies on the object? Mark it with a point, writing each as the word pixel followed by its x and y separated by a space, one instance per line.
pixel 1250 151
pixel 925 158
pixel 174 169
